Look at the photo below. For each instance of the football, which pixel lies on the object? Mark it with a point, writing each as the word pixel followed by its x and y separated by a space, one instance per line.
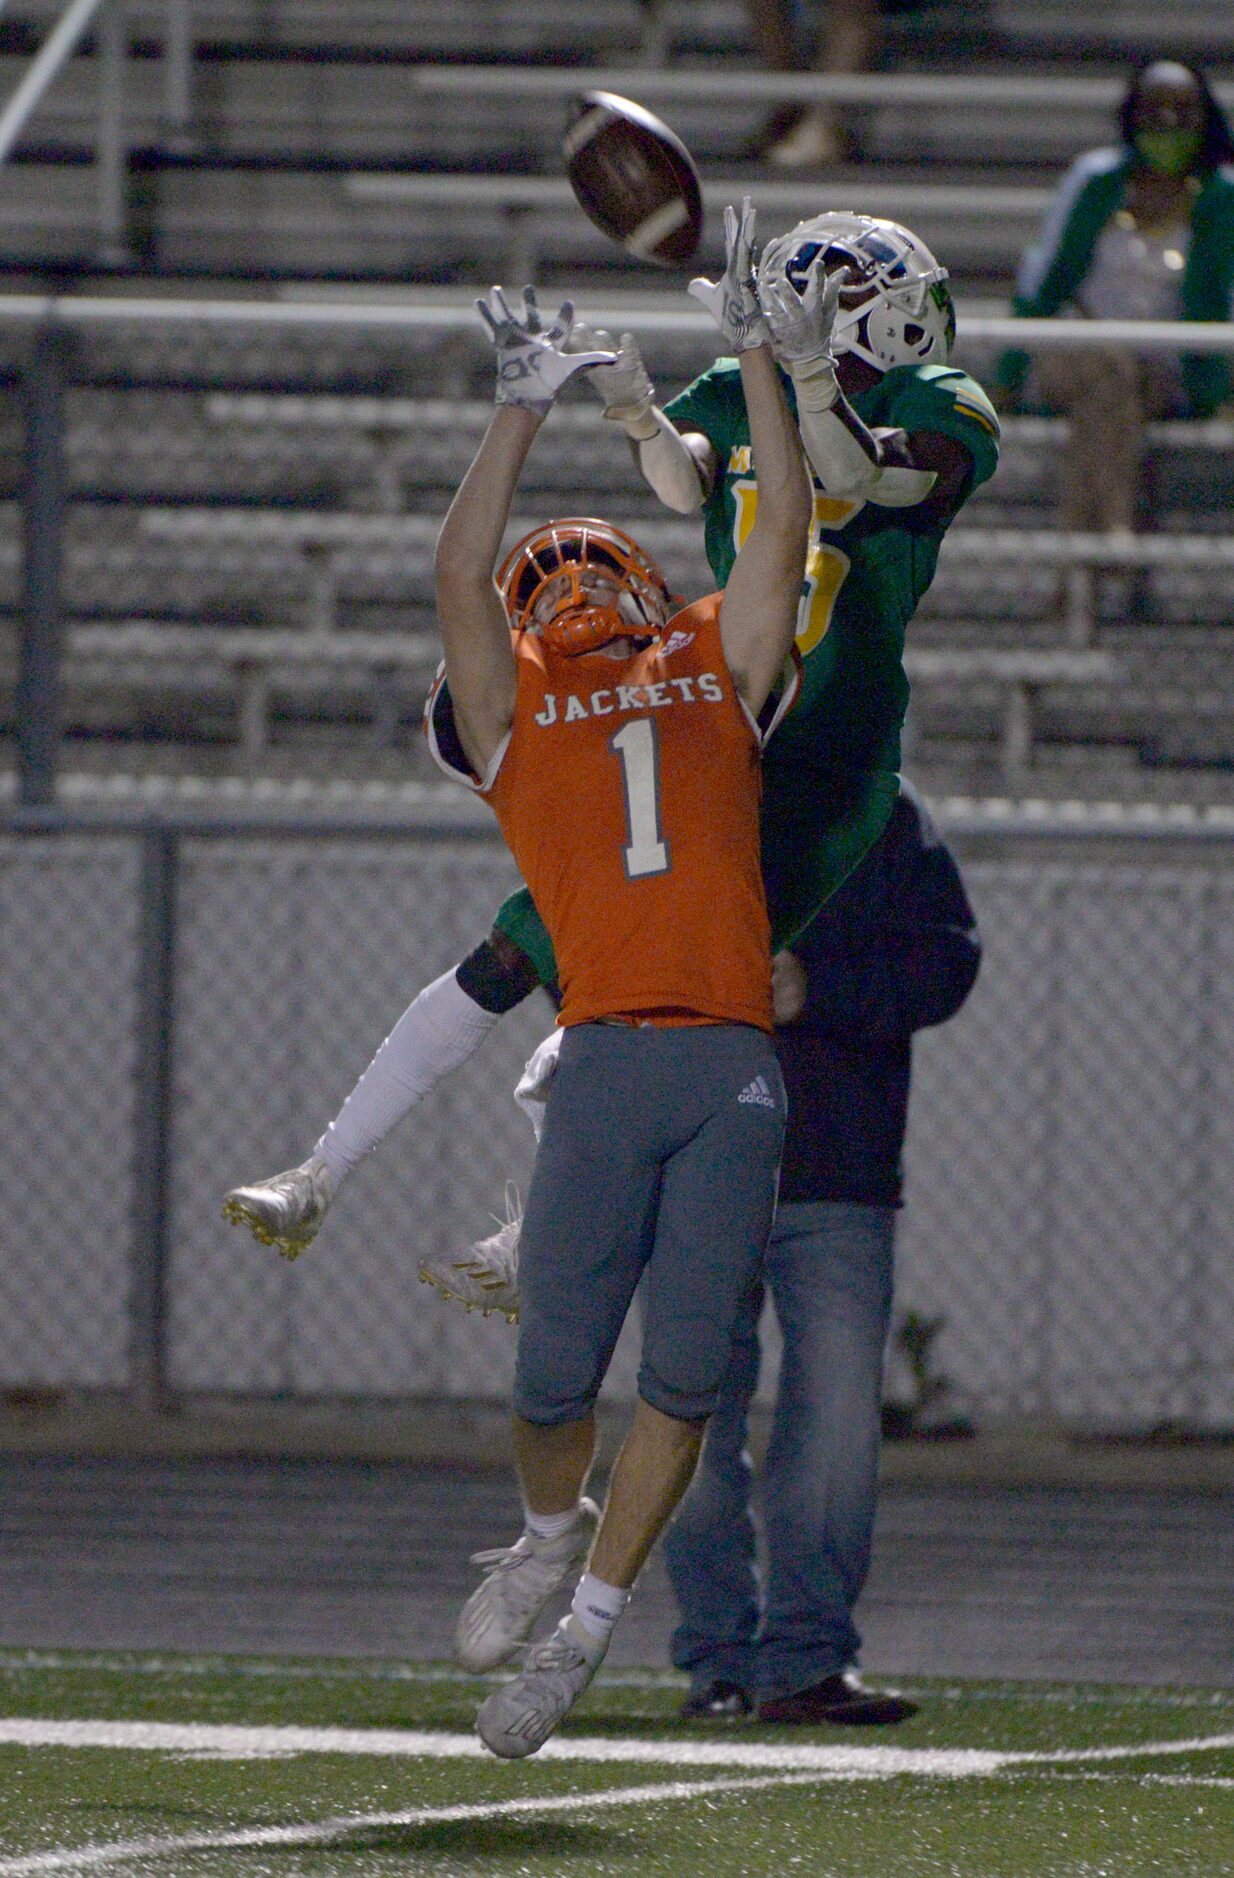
pixel 634 178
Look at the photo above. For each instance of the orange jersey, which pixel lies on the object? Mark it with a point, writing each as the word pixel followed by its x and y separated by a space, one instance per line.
pixel 628 791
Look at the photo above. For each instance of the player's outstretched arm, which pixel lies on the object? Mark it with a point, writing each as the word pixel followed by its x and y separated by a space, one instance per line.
pixel 849 459
pixel 532 366
pixel 758 615
pixel 679 469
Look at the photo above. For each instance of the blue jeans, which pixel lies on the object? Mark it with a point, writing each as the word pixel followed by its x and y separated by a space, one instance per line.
pixel 829 1271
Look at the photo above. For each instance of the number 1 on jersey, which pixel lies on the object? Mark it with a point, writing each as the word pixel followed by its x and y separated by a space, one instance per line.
pixel 638 746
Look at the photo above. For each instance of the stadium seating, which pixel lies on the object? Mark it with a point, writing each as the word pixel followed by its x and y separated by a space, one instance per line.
pixel 309 607
pixel 302 112
pixel 247 558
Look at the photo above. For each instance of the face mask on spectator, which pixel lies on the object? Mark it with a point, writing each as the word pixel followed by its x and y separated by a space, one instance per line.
pixel 1169 152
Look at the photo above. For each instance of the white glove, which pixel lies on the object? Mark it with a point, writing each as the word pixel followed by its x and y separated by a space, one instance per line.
pixel 625 387
pixel 531 1091
pixel 732 300
pixel 532 361
pixel 801 327
pixel 801 323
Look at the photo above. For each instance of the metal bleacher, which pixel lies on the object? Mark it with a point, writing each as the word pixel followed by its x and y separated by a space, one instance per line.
pixel 247 566
pixel 362 140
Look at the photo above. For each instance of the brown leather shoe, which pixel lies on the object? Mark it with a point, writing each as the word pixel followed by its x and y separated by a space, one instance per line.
pixel 842 1699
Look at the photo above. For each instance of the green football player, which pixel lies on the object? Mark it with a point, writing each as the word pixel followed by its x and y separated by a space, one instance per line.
pixel 861 319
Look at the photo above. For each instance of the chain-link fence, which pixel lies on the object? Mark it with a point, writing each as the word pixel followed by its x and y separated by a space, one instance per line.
pixel 185 1008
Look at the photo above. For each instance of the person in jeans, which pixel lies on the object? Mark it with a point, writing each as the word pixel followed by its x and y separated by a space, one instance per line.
pixel 895 949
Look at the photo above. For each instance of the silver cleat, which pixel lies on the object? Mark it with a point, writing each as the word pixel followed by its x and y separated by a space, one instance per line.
pixel 519 1580
pixel 485 1277
pixel 287 1210
pixel 519 1717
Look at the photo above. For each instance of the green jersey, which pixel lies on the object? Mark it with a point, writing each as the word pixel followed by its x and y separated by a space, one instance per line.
pixel 830 772
pixel 866 566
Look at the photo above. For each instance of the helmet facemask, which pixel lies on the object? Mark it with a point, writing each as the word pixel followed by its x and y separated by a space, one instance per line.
pixel 896 307
pixel 580 584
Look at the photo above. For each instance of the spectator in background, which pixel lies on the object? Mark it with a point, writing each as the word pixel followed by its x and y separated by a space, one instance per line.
pixel 850 32
pixel 1142 230
pixel 894 949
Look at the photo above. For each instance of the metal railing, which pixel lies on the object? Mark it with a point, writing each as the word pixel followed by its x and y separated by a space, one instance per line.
pixel 978 90
pixel 111 153
pixel 456 314
pixel 111 146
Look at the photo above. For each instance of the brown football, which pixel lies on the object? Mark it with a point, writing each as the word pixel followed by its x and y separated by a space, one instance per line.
pixel 634 178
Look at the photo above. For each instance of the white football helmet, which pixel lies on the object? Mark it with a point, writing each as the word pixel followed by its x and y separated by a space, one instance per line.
pixel 896 308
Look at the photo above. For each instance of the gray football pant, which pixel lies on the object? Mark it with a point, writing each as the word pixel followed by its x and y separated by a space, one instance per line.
pixel 660 1153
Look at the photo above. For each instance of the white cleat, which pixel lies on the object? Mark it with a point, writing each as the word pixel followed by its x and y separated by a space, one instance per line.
pixel 519 1717
pixel 521 1578
pixel 485 1278
pixel 287 1210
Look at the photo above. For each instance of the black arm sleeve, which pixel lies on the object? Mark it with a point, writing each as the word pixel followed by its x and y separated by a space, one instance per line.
pixel 497 975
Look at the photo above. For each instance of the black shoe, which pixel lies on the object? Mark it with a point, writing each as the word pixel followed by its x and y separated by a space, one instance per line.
pixel 843 1699
pixel 719 1701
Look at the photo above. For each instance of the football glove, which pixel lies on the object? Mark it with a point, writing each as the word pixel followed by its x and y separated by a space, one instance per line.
pixel 732 300
pixel 801 327
pixel 532 361
pixel 625 387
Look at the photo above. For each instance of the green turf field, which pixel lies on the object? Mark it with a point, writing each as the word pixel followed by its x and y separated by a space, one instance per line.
pixel 237 1768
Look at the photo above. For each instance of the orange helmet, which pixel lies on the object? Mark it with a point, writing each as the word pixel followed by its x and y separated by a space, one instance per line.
pixel 580 583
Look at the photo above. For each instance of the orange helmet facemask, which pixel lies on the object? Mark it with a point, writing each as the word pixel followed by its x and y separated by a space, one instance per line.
pixel 580 583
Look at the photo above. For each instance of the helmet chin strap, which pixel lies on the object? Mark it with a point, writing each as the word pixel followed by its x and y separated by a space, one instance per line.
pixel 589 624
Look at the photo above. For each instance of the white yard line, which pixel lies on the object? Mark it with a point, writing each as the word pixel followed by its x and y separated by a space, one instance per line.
pixel 332 1831
pixel 1198 1744
pixel 1182 1780
pixel 794 1763
pixel 222 1742
pixel 1147 1780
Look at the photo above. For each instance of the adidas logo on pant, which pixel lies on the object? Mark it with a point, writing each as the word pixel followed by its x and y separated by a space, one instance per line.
pixel 758 1091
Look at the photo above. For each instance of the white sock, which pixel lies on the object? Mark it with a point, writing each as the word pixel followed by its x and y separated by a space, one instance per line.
pixel 549 1525
pixel 597 1606
pixel 435 1034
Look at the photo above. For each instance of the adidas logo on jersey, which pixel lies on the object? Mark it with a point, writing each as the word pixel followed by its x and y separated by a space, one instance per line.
pixel 758 1091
